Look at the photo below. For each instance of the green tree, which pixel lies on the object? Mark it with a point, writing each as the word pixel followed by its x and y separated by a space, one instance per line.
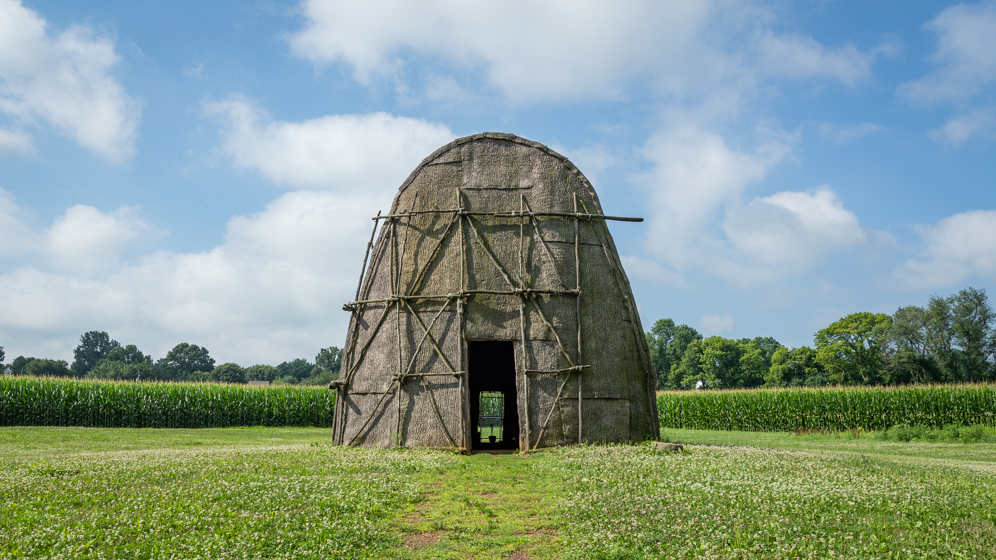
pixel 909 351
pixel 658 339
pixel 2 356
pixel 766 345
pixel 124 363
pixel 728 363
pixel 48 368
pixel 688 371
pixel 795 367
pixel 182 361
pixel 851 347
pixel 329 361
pixel 201 377
pixel 19 365
pixel 971 324
pixel 128 355
pixel 298 369
pixel 752 367
pixel 719 361
pixel 261 372
pixel 229 373
pixel 93 347
pixel 115 369
pixel 667 343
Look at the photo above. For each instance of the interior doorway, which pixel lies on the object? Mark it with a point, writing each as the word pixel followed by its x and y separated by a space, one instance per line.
pixel 494 409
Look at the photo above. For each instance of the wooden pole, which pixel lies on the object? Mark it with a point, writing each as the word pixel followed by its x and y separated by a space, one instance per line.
pixel 525 365
pixel 577 299
pixel 461 313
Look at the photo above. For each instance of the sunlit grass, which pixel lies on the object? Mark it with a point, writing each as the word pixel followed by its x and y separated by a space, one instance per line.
pixel 275 494
pixel 286 493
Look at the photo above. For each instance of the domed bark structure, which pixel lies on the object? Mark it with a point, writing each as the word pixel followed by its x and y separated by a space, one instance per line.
pixel 494 312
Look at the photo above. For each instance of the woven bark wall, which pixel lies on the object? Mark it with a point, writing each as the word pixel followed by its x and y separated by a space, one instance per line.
pixel 403 387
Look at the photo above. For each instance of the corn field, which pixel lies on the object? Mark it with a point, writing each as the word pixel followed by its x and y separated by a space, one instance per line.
pixel 39 401
pixel 831 409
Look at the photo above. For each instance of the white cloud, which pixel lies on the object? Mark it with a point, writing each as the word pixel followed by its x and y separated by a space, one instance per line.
pixel 64 80
pixel 271 292
pixel 14 141
pixel 793 229
pixel 716 324
pixel 695 176
pixel 843 134
pixel 800 56
pixel 965 59
pixel 15 236
pixel 555 49
pixel 87 240
pixel 527 50
pixel 955 248
pixel 960 129
pixel 651 271
pixel 348 153
pixel 700 217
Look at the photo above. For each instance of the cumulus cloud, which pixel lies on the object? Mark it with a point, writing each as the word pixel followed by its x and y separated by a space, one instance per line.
pixel 955 248
pixel 700 215
pixel 548 50
pixel 527 50
pixel 346 153
pixel 86 240
pixel 960 129
pixel 800 56
pixel 965 60
pixel 271 291
pixel 63 80
pixel 15 236
pixel 716 324
pixel 695 176
pixel 963 69
pixel 793 229
pixel 651 271
pixel 15 141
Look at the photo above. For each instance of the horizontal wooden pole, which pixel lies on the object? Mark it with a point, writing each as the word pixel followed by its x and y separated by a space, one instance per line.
pixel 460 212
pixel 564 370
pixel 463 293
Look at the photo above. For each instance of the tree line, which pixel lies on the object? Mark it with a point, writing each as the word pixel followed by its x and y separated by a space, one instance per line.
pixel 950 340
pixel 98 356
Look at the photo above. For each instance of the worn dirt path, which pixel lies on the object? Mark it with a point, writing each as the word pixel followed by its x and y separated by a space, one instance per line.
pixel 486 506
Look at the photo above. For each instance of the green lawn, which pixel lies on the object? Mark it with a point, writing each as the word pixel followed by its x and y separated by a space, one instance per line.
pixel 285 493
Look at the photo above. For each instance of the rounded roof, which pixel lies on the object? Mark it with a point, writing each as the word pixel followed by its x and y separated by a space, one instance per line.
pixel 508 138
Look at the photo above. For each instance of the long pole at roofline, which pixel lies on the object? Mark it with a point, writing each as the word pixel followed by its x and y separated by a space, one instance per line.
pixel 461 212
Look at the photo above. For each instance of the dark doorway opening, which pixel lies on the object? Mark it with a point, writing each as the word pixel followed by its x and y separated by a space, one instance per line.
pixel 494 407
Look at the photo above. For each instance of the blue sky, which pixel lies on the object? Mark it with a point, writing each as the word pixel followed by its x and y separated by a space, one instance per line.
pixel 204 172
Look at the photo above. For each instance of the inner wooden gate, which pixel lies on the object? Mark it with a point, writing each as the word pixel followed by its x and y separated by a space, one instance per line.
pixel 494 408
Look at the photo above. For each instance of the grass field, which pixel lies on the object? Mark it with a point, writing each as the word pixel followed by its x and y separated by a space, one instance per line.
pixel 283 492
